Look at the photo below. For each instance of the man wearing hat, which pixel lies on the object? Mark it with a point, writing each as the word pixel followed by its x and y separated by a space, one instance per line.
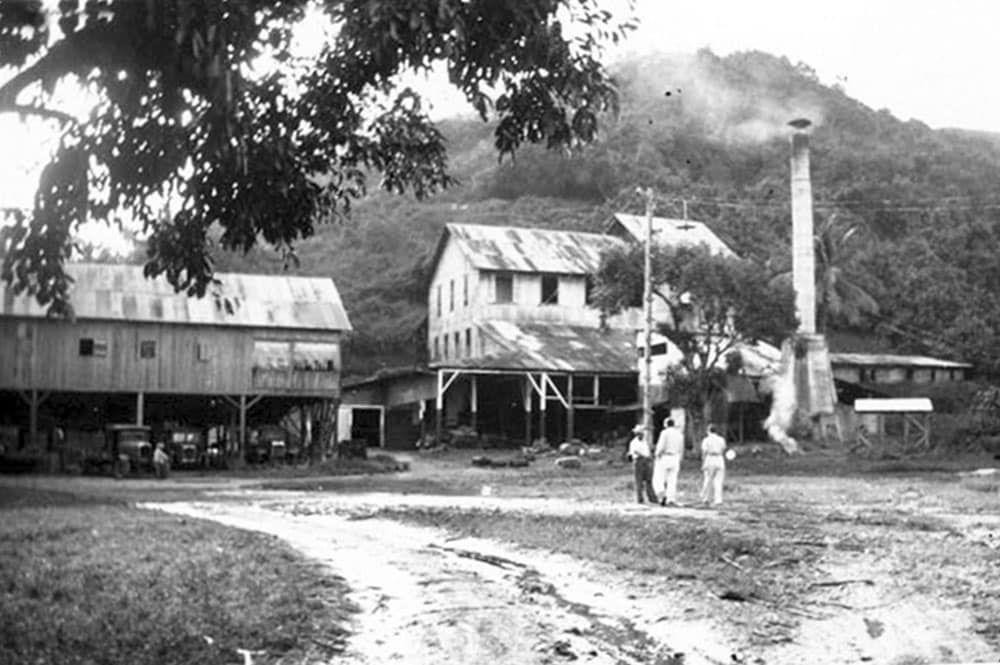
pixel 642 464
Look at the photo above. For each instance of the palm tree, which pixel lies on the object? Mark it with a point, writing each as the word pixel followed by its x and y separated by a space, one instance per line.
pixel 839 293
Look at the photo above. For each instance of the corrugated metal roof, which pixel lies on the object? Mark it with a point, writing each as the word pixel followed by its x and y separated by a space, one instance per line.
pixel 891 360
pixel 122 293
pixel 529 250
pixel 671 232
pixel 557 348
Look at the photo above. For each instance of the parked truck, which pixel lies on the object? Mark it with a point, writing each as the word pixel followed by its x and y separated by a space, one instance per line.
pixel 186 446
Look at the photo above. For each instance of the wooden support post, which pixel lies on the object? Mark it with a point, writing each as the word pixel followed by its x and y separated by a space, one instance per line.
pixel 569 407
pixel 140 400
pixel 474 403
pixel 527 409
pixel 381 427
pixel 543 397
pixel 32 417
pixel 243 423
pixel 438 407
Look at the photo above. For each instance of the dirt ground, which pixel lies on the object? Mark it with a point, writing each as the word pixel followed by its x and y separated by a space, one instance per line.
pixel 901 568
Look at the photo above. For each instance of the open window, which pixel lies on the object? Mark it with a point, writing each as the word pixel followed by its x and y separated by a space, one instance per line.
pixel 147 348
pixel 550 289
pixel 93 347
pixel 503 288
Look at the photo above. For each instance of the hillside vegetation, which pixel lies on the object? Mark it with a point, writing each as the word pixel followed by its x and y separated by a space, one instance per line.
pixel 709 133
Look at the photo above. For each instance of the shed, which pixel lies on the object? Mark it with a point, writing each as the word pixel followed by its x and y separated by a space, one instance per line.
pixel 913 412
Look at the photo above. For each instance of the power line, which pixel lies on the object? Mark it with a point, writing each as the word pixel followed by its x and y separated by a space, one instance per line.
pixel 853 206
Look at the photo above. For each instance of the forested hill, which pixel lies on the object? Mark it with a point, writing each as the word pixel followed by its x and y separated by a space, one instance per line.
pixel 711 133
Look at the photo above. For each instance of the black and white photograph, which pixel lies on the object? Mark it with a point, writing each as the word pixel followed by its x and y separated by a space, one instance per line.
pixel 507 332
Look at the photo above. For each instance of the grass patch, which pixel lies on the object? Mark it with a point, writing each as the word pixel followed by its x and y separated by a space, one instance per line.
pixel 896 519
pixel 989 485
pixel 757 567
pixel 12 498
pixel 374 464
pixel 110 584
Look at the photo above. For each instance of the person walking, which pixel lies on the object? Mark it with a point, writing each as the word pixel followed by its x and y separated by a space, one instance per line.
pixel 669 453
pixel 642 464
pixel 713 467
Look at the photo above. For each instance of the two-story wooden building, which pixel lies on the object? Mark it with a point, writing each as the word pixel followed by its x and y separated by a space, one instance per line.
pixel 513 338
pixel 515 349
pixel 137 351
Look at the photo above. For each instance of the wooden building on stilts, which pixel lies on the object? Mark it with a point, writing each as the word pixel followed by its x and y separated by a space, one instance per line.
pixel 252 349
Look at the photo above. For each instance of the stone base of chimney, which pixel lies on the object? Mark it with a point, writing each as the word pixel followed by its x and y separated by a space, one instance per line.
pixel 815 394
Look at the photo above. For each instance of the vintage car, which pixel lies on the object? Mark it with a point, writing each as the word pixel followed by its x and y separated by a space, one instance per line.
pixel 267 444
pixel 126 448
pixel 186 446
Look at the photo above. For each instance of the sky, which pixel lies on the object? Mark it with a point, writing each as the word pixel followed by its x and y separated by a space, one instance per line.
pixel 930 60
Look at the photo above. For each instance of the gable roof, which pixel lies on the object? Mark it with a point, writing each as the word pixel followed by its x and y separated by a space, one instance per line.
pixel 122 293
pixel 669 232
pixel 508 248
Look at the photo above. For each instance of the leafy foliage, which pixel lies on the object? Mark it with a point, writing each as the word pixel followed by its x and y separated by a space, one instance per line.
pixel 715 303
pixel 209 103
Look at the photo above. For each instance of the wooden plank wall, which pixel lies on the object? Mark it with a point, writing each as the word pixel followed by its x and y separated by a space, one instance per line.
pixel 45 355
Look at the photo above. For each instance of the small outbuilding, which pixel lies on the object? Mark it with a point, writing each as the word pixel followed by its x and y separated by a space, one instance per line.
pixel 913 414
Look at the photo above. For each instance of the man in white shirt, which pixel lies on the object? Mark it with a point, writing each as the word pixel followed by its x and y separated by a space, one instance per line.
pixel 642 464
pixel 669 452
pixel 713 466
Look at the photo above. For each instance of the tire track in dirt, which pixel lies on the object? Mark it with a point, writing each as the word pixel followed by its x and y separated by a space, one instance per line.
pixel 426 599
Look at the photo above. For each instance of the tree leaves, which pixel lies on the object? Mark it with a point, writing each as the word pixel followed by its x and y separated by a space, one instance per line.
pixel 186 114
pixel 715 303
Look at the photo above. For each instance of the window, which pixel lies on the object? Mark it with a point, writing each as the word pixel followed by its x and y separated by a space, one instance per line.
pixel 588 290
pixel 504 288
pixel 437 349
pixel 268 355
pixel 550 289
pixel 315 356
pixel 439 300
pixel 204 352
pixel 147 348
pixel 458 344
pixel 465 290
pixel 444 339
pixel 451 296
pixel 93 347
pixel 468 341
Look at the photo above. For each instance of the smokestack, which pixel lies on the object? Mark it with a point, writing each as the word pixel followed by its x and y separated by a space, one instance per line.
pixel 803 256
pixel 805 382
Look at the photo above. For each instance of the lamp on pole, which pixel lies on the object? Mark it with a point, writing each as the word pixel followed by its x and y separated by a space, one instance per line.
pixel 647 328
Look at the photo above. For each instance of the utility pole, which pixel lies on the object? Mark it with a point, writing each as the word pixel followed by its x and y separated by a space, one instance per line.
pixel 647 302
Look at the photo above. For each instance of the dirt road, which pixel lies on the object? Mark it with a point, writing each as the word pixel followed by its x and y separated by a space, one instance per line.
pixel 425 598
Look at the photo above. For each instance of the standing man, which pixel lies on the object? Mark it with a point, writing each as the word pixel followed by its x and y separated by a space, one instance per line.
pixel 161 461
pixel 713 466
pixel 642 464
pixel 669 452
